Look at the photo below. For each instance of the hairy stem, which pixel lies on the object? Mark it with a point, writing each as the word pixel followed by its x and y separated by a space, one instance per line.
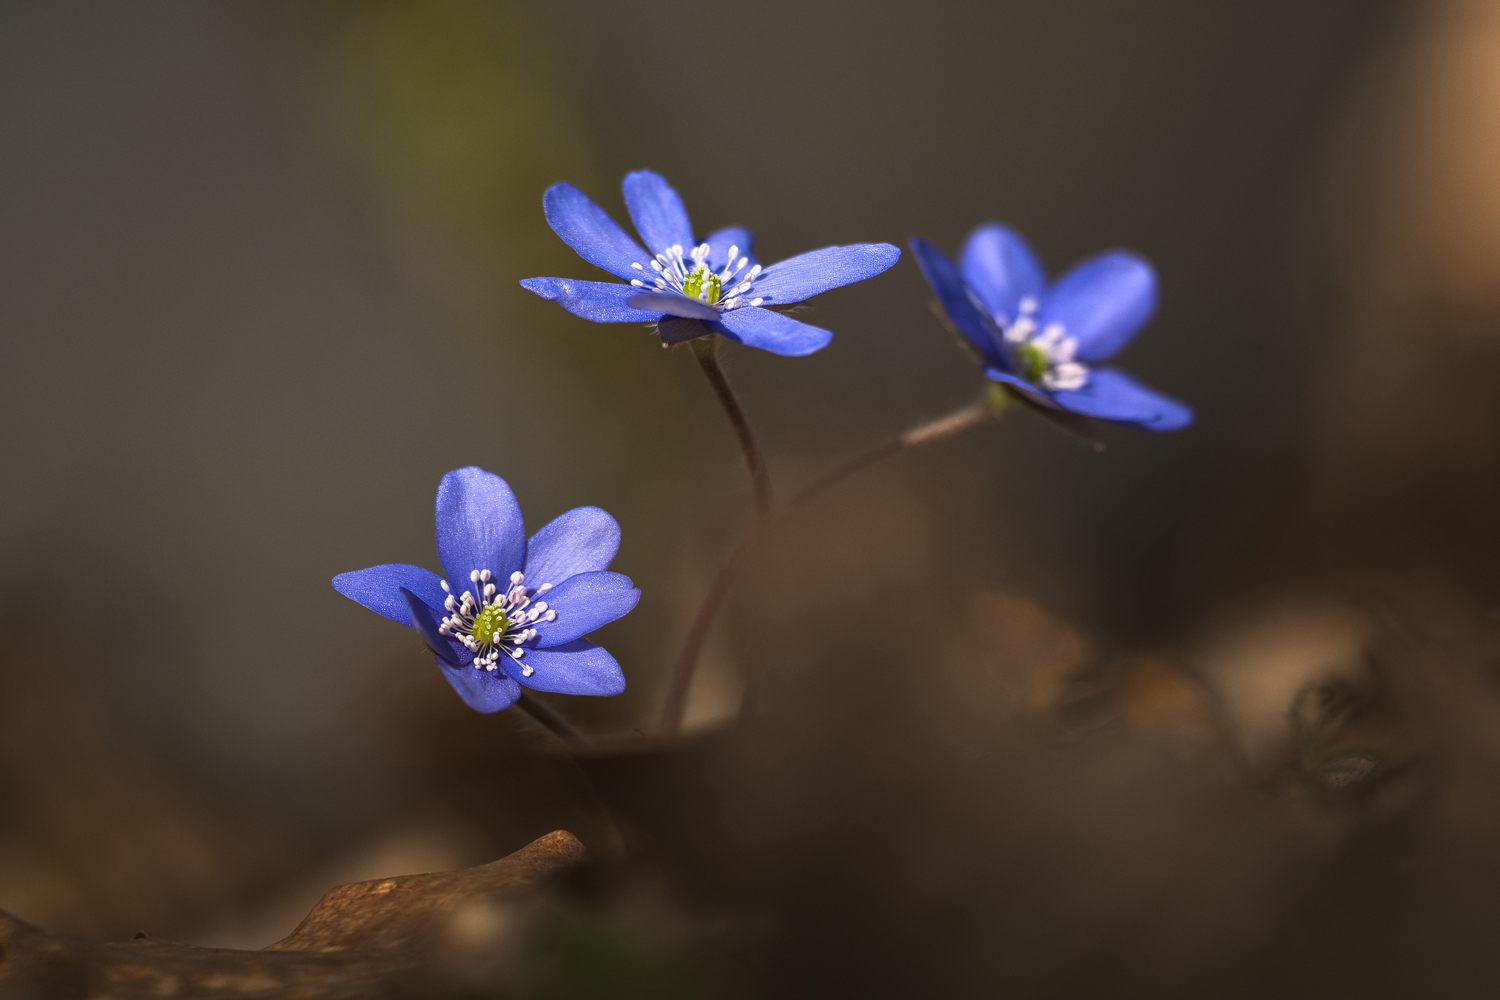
pixel 706 350
pixel 937 430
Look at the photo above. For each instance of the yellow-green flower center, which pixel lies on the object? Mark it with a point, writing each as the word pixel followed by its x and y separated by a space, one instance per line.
pixel 701 280
pixel 489 625
pixel 1033 362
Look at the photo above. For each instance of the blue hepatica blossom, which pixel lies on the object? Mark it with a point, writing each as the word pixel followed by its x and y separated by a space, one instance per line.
pixel 509 611
pixel 1044 341
pixel 688 288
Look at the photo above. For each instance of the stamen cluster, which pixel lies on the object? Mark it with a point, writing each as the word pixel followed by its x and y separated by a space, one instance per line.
pixel 690 275
pixel 495 623
pixel 1046 356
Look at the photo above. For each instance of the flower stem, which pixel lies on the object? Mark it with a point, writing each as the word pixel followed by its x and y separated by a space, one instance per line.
pixel 971 416
pixel 706 350
pixel 550 720
pixel 609 842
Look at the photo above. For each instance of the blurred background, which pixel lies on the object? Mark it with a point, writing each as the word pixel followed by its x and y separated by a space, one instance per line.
pixel 1214 713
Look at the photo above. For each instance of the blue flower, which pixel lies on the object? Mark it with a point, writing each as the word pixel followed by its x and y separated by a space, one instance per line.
pixel 520 608
pixel 1044 341
pixel 687 288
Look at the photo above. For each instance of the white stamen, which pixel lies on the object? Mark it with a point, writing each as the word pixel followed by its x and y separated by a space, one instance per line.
pixel 506 619
pixel 637 266
pixel 444 584
pixel 1051 349
pixel 675 265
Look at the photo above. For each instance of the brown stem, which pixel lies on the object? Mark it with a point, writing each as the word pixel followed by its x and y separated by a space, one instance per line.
pixel 944 427
pixel 706 350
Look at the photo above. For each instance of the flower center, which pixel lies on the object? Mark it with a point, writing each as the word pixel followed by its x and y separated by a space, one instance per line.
pixel 1044 356
pixel 689 274
pixel 490 625
pixel 704 281
pixel 493 623
pixel 1032 362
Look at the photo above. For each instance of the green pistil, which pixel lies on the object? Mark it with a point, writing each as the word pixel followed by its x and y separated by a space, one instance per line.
pixel 700 281
pixel 490 625
pixel 1032 361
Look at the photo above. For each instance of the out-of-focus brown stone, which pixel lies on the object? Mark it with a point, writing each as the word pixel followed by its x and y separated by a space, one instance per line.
pixel 373 939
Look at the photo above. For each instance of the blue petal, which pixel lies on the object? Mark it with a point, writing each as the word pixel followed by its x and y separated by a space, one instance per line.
pixel 1110 394
pixel 598 301
pixel 379 588
pixel 1102 302
pixel 657 211
pixel 584 603
pixel 772 331
pixel 673 304
pixel 1000 267
pixel 425 620
pixel 479 527
pixel 482 690
pixel 591 233
pixel 957 302
pixel 805 275
pixel 675 330
pixel 584 540
pixel 1032 392
pixel 573 668
pixel 720 242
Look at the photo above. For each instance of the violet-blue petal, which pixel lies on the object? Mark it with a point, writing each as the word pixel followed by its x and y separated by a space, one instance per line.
pixel 720 242
pixel 1110 394
pixel 578 667
pixel 1034 393
pixel 583 603
pixel 379 588
pixel 598 301
pixel 771 331
pixel 479 527
pixel 657 211
pixel 591 233
pixel 805 275
pixel 1000 267
pixel 1102 302
pixel 957 302
pixel 676 330
pixel 482 690
pixel 673 305
pixel 425 620
pixel 584 540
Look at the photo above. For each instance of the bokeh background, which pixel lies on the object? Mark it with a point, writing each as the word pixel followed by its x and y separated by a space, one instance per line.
pixel 1215 713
